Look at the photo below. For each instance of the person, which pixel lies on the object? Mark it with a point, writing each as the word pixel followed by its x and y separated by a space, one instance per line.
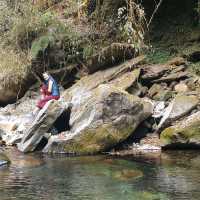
pixel 49 91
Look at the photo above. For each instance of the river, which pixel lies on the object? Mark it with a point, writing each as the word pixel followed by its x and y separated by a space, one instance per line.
pixel 171 175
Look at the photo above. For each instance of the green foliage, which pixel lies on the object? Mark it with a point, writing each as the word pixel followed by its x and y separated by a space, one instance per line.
pixel 29 27
pixel 40 45
pixel 195 67
pixel 158 56
pixel 88 51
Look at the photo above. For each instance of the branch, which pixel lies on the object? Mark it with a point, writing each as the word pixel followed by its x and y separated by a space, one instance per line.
pixel 154 12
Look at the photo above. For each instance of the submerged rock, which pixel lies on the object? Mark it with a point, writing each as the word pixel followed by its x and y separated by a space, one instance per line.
pixel 127 174
pixel 4 160
pixel 105 117
pixel 184 134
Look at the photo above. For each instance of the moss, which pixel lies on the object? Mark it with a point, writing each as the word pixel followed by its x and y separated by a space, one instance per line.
pixel 179 134
pixel 195 68
pixel 158 56
pixel 97 140
pixel 166 135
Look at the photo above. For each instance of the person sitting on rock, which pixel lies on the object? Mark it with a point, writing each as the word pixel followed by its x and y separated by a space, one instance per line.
pixel 49 91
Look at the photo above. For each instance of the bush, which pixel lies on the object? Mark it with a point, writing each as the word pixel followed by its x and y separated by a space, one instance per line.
pixel 27 28
pixel 14 66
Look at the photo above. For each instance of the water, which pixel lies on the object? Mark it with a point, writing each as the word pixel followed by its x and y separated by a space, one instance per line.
pixel 170 176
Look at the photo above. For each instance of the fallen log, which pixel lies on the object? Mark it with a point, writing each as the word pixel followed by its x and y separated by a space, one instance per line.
pixel 109 56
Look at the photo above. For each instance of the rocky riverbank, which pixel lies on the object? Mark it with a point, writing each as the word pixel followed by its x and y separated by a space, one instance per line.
pixel 147 107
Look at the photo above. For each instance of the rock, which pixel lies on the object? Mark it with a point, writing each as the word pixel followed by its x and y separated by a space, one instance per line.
pixel 154 90
pixel 127 80
pixel 127 174
pixel 151 72
pixel 4 160
pixel 90 82
pixel 177 61
pixel 10 90
pixel 159 92
pixel 172 77
pixel 8 127
pixel 151 140
pixel 179 107
pixel 105 117
pixel 178 69
pixel 12 138
pixel 186 133
pixel 159 108
pixel 42 123
pixel 164 95
pixel 181 88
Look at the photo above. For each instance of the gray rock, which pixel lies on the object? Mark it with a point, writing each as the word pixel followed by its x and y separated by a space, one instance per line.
pixel 179 107
pixel 42 123
pixel 103 118
pixel 3 160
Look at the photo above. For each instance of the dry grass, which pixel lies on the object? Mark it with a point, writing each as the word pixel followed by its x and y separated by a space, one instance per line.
pixel 13 67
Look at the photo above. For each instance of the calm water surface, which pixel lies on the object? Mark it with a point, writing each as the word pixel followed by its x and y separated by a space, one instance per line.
pixel 174 176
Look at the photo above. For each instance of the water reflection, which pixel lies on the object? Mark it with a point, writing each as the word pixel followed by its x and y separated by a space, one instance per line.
pixel 100 178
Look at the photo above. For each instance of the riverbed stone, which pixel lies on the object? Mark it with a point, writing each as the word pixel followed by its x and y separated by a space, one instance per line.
pixel 108 116
pixel 185 133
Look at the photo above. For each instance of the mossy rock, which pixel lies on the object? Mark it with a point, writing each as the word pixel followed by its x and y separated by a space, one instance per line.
pixel 106 117
pixel 184 134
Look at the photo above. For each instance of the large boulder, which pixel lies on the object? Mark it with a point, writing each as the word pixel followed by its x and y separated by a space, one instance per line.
pixel 15 118
pixel 184 134
pixel 11 91
pixel 103 118
pixel 179 107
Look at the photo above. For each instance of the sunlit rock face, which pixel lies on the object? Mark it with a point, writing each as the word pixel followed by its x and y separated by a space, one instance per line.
pixel 106 117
